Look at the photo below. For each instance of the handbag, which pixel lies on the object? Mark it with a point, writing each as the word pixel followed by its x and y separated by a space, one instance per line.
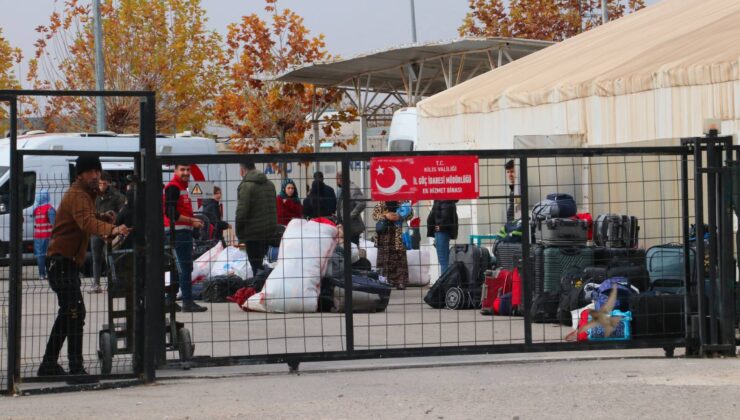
pixel 381 226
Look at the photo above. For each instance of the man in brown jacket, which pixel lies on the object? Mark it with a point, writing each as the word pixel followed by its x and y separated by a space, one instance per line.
pixel 76 220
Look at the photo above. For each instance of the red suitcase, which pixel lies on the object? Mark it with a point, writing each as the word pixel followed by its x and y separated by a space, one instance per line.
pixel 501 282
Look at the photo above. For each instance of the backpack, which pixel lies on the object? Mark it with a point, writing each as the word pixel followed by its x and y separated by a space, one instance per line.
pixel 454 274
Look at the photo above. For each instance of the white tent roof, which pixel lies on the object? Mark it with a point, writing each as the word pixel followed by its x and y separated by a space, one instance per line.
pixel 653 74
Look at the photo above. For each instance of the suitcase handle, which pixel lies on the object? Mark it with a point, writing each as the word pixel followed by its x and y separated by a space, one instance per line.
pixel 570 250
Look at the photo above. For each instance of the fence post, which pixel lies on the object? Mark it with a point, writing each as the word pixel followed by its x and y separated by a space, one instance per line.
pixel 347 244
pixel 526 263
pixel 727 266
pixel 154 288
pixel 688 275
pixel 16 252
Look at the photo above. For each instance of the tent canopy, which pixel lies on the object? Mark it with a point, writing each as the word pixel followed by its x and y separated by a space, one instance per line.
pixel 652 74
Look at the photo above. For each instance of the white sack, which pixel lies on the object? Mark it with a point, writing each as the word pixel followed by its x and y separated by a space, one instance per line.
pixel 294 284
pixel 418 261
pixel 202 265
pixel 232 261
pixel 370 251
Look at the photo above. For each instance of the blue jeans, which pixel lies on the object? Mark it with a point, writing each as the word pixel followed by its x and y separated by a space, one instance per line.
pixel 39 250
pixel 442 243
pixel 184 262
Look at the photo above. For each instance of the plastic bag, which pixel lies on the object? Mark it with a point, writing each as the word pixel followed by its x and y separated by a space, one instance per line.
pixel 202 265
pixel 232 261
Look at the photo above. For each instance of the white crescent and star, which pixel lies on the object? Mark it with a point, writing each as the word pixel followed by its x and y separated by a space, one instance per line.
pixel 398 181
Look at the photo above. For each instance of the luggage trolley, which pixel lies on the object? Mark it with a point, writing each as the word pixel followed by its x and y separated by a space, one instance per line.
pixel 116 337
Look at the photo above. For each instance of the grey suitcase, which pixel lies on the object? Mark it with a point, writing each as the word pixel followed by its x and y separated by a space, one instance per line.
pixel 560 231
pixel 507 254
pixel 616 231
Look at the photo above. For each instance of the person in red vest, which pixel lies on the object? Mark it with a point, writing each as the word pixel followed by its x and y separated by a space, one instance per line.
pixel 43 222
pixel 178 209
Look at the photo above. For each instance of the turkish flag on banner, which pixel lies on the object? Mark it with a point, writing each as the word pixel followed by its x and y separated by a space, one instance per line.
pixel 424 178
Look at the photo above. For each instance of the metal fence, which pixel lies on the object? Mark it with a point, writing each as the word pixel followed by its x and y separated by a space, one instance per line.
pixel 308 300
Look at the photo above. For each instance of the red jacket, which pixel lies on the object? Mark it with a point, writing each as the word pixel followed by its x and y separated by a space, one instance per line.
pixel 287 210
pixel 41 223
pixel 183 205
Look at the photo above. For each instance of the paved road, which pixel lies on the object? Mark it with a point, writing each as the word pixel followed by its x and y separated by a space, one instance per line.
pixel 509 386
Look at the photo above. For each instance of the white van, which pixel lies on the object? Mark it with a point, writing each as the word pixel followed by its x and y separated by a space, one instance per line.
pixel 53 173
pixel 404 131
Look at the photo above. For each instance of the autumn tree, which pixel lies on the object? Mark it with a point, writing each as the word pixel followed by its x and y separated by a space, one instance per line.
pixel 8 57
pixel 552 20
pixel 257 108
pixel 163 46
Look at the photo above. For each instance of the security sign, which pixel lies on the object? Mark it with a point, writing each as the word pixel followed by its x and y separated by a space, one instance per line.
pixel 424 178
pixel 201 189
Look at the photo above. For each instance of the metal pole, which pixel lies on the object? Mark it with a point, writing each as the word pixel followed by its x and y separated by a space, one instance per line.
pixel 713 297
pixel 413 22
pixel 604 11
pixel 699 223
pixel 151 179
pixel 16 253
pixel 688 274
pixel 527 265
pixel 99 66
pixel 347 244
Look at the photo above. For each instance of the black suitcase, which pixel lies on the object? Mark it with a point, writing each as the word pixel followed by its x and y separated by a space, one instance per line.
pixel 636 274
pixel 556 259
pixel 507 254
pixel 594 275
pixel 476 259
pixel 616 231
pixel 603 256
pixel 560 231
pixel 656 315
pixel 538 262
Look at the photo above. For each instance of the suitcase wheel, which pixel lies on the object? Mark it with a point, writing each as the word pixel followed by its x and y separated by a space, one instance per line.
pixel 455 298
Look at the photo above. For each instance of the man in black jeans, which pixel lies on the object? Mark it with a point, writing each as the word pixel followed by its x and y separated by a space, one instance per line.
pixel 76 220
pixel 256 214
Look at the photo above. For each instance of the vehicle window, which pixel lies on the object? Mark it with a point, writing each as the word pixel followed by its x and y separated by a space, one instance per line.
pixel 29 192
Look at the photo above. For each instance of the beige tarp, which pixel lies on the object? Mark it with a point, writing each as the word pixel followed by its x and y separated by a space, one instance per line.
pixel 654 74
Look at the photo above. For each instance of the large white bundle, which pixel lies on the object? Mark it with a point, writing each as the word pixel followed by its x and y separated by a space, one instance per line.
pixel 418 261
pixel 371 253
pixel 294 284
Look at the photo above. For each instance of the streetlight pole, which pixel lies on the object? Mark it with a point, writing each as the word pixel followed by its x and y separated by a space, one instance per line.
pixel 99 67
pixel 413 22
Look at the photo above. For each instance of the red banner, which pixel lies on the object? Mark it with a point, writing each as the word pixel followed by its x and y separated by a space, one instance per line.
pixel 424 178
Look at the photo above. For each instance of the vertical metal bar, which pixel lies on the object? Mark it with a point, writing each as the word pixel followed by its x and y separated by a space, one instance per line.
pixel 99 66
pixel 686 247
pixel 16 255
pixel 526 263
pixel 714 302
pixel 699 223
pixel 347 244
pixel 152 225
pixel 727 270
pixel 139 269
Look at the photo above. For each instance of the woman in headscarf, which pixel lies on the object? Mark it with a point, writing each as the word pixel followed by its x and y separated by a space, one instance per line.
pixel 288 203
pixel 391 251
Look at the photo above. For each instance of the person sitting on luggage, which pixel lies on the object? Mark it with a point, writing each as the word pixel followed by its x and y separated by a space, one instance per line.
pixel 212 210
pixel 391 250
pixel 442 226
pixel 289 205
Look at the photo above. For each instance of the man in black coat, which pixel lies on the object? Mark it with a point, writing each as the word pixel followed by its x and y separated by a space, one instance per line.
pixel 442 226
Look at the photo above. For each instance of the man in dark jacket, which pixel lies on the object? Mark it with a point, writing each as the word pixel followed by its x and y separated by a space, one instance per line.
pixel 256 214
pixel 442 226
pixel 321 200
pixel 109 201
pixel 355 226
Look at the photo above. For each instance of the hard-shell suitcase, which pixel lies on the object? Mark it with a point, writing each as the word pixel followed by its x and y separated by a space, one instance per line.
pixel 368 294
pixel 560 231
pixel 507 253
pixel 476 260
pixel 556 259
pixel 665 266
pixel 495 285
pixel 657 315
pixel 636 274
pixel 603 256
pixel 616 231
pixel 545 307
pixel 538 262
